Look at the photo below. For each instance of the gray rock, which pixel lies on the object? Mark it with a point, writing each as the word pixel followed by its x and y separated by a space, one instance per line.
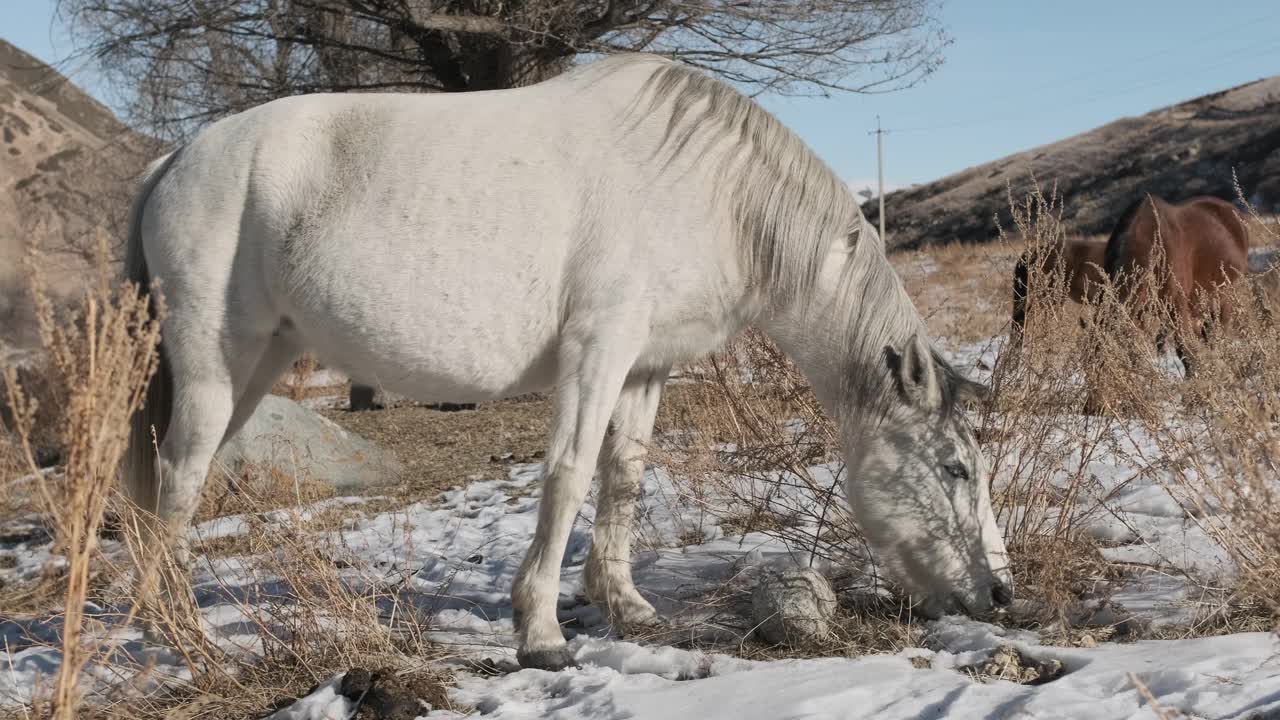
pixel 283 434
pixel 792 606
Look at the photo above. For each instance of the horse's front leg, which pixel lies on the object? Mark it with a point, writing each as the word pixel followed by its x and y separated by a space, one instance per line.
pixel 592 371
pixel 608 572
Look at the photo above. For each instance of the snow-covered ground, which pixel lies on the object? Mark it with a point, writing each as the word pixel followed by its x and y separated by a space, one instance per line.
pixel 457 554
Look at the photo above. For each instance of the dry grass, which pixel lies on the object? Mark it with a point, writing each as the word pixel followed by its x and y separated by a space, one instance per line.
pixel 749 463
pixel 743 443
pixel 312 608
pixel 98 368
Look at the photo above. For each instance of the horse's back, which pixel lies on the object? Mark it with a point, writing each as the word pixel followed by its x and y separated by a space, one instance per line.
pixel 1210 240
pixel 1232 224
pixel 426 236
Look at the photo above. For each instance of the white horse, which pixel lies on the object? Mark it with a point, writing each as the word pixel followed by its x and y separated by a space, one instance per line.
pixel 581 235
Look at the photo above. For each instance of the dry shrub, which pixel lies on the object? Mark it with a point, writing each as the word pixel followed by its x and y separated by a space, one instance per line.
pixel 1211 441
pixel 311 607
pixel 744 443
pixel 1039 444
pixel 1223 457
pixel 98 365
pixel 257 488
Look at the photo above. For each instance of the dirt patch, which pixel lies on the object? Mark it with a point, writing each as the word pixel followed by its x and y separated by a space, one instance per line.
pixel 387 695
pixel 441 450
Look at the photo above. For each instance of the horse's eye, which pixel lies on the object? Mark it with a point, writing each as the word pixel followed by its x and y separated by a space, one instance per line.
pixel 957 471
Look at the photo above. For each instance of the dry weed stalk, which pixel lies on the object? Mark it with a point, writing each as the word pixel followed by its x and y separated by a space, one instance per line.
pixel 749 441
pixel 1037 442
pixel 100 361
pixel 1210 440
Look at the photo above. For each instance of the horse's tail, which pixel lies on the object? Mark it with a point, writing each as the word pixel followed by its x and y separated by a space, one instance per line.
pixel 1019 319
pixel 1118 243
pixel 142 481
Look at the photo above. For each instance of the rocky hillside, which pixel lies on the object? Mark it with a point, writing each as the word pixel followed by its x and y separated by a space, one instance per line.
pixel 66 165
pixel 1183 150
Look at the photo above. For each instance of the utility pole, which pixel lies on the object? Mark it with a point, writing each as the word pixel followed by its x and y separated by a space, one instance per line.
pixel 880 170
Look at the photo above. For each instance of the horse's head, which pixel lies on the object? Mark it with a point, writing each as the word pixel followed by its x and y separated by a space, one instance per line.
pixel 919 488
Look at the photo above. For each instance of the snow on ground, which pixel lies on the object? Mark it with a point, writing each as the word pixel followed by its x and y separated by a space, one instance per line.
pixel 458 553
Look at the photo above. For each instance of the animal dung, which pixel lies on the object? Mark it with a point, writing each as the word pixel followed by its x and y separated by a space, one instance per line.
pixel 1009 663
pixel 792 606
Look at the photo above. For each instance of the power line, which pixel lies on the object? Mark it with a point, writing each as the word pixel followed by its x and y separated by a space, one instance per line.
pixel 1180 46
pixel 1163 79
pixel 1006 99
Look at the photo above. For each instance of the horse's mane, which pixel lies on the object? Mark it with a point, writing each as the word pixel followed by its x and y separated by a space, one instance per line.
pixel 880 314
pixel 790 206
pixel 1118 243
pixel 788 203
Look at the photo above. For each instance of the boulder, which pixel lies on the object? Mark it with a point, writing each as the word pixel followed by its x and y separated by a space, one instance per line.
pixel 288 436
pixel 792 606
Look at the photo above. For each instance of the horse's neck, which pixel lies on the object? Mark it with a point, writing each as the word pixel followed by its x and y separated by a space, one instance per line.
pixel 837 335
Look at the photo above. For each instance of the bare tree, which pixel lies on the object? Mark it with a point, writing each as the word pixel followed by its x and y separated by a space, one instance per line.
pixel 181 63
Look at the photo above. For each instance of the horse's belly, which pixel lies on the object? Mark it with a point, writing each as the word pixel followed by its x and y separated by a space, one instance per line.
pixel 438 367
pixel 437 336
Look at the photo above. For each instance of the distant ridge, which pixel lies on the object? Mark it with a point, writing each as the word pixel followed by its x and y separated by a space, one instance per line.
pixel 1177 151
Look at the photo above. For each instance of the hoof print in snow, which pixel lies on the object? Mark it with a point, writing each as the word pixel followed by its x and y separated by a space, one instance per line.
pixel 380 695
pixel 550 660
pixel 1009 663
pixel 792 606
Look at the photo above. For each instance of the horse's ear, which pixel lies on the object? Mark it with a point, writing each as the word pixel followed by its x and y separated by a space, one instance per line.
pixel 913 372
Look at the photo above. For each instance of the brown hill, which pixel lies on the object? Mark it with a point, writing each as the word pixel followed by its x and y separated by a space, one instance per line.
pixel 1178 151
pixel 66 165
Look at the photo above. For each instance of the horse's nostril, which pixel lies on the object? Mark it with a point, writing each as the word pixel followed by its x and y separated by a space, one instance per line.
pixel 1001 595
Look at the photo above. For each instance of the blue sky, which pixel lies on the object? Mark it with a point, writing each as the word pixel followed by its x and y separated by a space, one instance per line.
pixel 1020 73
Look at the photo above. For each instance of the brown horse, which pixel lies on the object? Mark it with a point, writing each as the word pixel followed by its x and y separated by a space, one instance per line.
pixel 1205 245
pixel 1081 263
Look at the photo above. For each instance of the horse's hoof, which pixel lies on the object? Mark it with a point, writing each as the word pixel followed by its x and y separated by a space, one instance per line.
pixel 550 660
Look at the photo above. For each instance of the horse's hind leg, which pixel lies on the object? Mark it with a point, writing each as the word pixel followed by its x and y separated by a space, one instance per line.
pixel 608 572
pixel 209 372
pixel 591 374
pixel 281 352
